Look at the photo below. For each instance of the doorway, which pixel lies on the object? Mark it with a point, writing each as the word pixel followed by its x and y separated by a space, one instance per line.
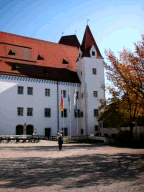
pixel 29 130
pixel 19 130
pixel 47 132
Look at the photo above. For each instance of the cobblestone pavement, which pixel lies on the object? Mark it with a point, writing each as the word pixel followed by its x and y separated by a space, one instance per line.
pixel 78 167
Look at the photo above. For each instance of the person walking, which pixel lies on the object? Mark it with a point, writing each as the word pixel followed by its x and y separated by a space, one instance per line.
pixel 60 142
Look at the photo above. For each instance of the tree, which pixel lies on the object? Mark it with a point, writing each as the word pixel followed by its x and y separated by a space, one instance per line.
pixel 130 68
pixel 126 75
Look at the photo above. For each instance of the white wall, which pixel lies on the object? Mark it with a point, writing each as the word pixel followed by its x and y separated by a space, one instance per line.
pixel 10 100
pixel 90 83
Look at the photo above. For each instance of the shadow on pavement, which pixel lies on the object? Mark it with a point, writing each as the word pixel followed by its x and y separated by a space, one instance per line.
pixel 70 172
pixel 50 148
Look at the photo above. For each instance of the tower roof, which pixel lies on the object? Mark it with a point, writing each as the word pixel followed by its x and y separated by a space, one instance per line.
pixel 71 40
pixel 87 42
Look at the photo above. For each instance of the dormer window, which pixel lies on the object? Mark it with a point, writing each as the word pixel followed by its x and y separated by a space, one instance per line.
pixel 40 58
pixel 65 62
pixel 15 68
pixel 93 53
pixel 11 53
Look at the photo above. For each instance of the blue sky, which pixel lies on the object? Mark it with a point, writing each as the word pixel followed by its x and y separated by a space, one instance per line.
pixel 114 24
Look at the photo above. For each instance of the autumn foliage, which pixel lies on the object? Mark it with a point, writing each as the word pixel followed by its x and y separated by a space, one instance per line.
pixel 126 77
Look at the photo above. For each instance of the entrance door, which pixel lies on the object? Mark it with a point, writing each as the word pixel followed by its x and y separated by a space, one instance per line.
pixel 47 132
pixel 29 130
pixel 19 130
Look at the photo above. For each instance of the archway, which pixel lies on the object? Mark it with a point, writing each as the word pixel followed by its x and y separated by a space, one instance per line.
pixel 29 130
pixel 19 130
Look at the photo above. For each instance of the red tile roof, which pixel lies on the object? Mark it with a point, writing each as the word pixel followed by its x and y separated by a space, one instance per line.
pixel 87 42
pixel 26 53
pixel 71 40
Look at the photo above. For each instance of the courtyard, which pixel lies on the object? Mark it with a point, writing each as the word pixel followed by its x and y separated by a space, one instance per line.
pixel 78 167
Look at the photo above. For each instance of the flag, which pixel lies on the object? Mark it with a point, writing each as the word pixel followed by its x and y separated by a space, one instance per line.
pixel 62 102
pixel 69 102
pixel 75 100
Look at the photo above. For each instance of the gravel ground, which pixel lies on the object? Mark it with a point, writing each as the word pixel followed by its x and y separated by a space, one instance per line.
pixel 78 167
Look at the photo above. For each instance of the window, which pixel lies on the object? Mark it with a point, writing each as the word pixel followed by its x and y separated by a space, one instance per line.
pixel 96 127
pixel 81 73
pixel 20 111
pixel 11 52
pixel 95 112
pixel 65 131
pixel 64 93
pixel 30 90
pixel 20 90
pixel 47 112
pixel 82 131
pixel 95 93
pixel 15 68
pixel 94 71
pixel 40 57
pixel 77 95
pixel 65 62
pixel 75 113
pixel 64 112
pixel 93 53
pixel 48 132
pixel 82 95
pixel 81 113
pixel 47 92
pixel 29 111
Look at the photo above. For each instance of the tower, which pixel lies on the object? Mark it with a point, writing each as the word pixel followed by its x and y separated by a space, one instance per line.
pixel 90 69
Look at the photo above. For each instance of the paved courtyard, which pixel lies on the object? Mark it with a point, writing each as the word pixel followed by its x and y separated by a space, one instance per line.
pixel 78 167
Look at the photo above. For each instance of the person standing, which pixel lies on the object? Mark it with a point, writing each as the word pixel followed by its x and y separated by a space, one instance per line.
pixel 60 142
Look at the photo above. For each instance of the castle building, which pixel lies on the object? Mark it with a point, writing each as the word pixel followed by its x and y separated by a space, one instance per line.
pixel 35 74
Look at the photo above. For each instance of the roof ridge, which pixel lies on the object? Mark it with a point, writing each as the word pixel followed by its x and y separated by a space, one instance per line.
pixel 36 39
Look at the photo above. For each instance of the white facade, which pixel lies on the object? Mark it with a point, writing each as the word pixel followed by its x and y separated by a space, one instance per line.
pixel 10 100
pixel 89 83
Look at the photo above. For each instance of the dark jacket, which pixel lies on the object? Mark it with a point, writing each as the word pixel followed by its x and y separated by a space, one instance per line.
pixel 60 140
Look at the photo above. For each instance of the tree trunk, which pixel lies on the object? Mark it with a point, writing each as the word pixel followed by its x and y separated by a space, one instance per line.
pixel 131 130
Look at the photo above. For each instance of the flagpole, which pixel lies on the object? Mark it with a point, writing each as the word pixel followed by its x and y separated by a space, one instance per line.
pixel 69 111
pixel 77 112
pixel 63 117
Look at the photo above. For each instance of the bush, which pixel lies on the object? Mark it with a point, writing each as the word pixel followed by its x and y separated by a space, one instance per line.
pixel 123 139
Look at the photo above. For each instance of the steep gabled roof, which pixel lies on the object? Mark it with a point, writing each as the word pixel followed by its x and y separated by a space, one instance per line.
pixel 70 40
pixel 87 42
pixel 32 56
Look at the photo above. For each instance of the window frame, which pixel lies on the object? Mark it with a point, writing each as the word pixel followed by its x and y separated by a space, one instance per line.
pixel 28 90
pixel 29 111
pixel 93 53
pixel 95 93
pixel 47 112
pixel 47 92
pixel 64 112
pixel 96 113
pixel 94 71
pixel 19 111
pixel 19 91
pixel 64 93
